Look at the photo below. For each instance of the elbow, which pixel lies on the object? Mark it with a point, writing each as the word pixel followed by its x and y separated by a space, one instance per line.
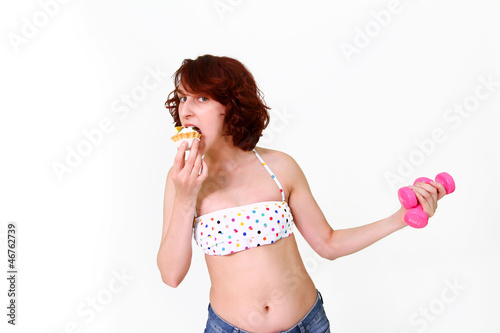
pixel 329 249
pixel 330 255
pixel 327 252
pixel 174 283
pixel 173 270
pixel 171 280
pixel 333 251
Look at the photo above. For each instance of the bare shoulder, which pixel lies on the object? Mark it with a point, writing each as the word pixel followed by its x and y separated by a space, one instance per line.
pixel 286 169
pixel 280 162
pixel 275 156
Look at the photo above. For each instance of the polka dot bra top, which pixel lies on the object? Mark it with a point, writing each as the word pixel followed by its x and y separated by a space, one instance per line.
pixel 235 229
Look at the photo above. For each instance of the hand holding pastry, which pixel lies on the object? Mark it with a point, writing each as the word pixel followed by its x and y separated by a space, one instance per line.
pixel 186 173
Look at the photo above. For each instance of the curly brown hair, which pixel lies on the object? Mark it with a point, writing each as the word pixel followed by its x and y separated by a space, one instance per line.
pixel 229 82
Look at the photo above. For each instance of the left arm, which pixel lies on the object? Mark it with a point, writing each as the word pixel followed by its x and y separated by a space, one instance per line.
pixel 347 241
pixel 332 244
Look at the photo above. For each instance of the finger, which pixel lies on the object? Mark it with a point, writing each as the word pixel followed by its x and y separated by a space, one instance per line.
pixel 424 204
pixel 179 157
pixel 204 170
pixel 423 196
pixel 425 199
pixel 432 190
pixel 440 188
pixel 197 166
pixel 192 154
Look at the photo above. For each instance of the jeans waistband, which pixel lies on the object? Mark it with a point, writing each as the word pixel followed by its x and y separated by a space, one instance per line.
pixel 313 315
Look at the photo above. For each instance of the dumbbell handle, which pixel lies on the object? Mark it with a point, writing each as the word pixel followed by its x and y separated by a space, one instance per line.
pixel 415 216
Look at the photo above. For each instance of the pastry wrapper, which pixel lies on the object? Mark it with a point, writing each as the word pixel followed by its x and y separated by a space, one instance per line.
pixel 190 135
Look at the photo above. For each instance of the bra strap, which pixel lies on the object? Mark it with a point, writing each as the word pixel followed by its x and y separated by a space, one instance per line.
pixel 272 175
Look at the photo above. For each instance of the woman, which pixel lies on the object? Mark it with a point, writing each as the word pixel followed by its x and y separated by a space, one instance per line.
pixel 244 206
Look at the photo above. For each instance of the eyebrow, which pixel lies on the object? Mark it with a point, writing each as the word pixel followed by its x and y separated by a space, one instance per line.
pixel 180 91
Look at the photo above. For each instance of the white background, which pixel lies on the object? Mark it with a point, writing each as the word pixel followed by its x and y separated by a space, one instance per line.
pixel 349 121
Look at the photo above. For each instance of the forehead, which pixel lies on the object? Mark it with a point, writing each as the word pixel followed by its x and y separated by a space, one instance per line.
pixel 183 91
pixel 186 90
pixel 180 89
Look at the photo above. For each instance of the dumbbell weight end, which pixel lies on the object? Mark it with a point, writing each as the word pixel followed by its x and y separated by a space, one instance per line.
pixel 416 217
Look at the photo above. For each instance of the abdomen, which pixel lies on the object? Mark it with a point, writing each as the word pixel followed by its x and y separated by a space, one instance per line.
pixel 263 289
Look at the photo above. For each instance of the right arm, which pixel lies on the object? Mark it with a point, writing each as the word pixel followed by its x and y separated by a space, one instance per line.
pixel 181 190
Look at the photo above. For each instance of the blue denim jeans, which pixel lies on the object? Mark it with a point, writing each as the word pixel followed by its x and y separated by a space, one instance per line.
pixel 315 321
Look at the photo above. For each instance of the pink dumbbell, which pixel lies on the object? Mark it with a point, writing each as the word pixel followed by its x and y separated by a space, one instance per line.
pixel 415 216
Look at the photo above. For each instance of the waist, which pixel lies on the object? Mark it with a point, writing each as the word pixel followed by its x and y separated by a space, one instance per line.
pixel 276 317
pixel 266 286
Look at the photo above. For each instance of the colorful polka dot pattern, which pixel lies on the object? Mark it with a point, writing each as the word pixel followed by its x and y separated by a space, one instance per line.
pixel 236 229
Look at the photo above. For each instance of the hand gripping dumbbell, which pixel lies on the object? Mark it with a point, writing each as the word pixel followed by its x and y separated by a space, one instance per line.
pixel 415 216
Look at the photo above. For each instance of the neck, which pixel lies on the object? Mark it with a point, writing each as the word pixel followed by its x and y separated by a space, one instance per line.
pixel 226 155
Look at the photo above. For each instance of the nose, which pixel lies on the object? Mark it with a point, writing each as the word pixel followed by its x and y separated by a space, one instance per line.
pixel 186 109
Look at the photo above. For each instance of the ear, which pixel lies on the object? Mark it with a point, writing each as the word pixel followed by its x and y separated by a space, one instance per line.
pixel 224 125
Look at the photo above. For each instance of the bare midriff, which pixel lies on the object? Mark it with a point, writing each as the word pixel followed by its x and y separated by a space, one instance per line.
pixel 262 289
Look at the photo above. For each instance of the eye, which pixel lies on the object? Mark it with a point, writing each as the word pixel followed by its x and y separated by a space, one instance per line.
pixel 202 99
pixel 182 98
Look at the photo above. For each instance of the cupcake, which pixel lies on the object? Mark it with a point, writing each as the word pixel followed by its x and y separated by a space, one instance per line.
pixel 188 134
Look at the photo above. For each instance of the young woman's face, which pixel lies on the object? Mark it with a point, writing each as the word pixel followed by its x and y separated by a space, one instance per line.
pixel 203 112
